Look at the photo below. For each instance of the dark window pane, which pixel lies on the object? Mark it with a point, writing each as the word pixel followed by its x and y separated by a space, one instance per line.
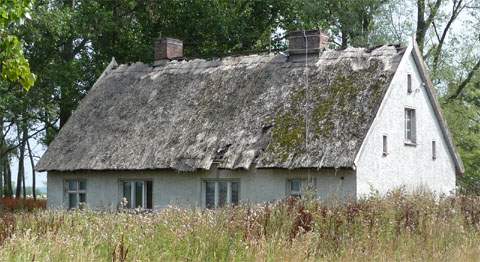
pixel 410 125
pixel 83 185
pixel 138 194
pixel 127 193
pixel 414 126
pixel 235 192
pixel 72 185
pixel 408 121
pixel 82 197
pixel 295 185
pixel 222 193
pixel 149 194
pixel 210 194
pixel 409 83
pixel 72 200
pixel 385 148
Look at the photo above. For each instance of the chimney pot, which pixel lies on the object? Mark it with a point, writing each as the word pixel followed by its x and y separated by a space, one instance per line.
pixel 167 48
pixel 312 42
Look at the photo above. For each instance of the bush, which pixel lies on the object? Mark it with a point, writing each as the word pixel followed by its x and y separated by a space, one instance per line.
pixel 21 204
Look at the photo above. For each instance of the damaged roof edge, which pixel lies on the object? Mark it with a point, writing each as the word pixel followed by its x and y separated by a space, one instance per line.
pixel 189 171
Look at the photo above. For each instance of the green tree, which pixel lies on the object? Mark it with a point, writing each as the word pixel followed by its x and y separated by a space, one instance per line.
pixel 13 65
pixel 69 43
pixel 14 71
pixel 351 21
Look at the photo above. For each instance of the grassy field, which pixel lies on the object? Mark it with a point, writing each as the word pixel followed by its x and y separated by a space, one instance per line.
pixel 397 227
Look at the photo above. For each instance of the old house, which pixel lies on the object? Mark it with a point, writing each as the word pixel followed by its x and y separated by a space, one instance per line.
pixel 253 128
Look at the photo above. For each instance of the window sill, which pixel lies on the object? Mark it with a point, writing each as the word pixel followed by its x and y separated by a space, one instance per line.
pixel 408 143
pixel 384 154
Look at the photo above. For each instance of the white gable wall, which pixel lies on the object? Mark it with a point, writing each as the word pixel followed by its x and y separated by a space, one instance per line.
pixel 405 165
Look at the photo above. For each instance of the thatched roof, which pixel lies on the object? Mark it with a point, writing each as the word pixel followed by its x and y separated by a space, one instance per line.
pixel 238 112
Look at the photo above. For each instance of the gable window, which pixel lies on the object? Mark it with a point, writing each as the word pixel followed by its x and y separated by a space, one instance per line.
pixel 385 146
pixel 219 193
pixel 410 126
pixel 434 150
pixel 76 192
pixel 409 83
pixel 138 193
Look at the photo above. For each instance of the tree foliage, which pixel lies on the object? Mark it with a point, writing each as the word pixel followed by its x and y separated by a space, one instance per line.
pixel 350 21
pixel 13 65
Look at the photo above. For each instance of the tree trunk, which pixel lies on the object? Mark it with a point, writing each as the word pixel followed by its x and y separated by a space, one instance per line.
pixel 421 30
pixel 1 179
pixel 423 24
pixel 2 169
pixel 7 177
pixel 24 143
pixel 5 163
pixel 32 163
pixel 344 40
pixel 65 110
pixel 21 154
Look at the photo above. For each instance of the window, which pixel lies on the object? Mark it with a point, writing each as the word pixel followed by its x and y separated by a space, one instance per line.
pixel 385 146
pixel 295 187
pixel 434 150
pixel 76 193
pixel 219 193
pixel 409 83
pixel 410 126
pixel 138 193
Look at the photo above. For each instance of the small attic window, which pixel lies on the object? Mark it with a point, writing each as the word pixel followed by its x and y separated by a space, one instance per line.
pixel 385 145
pixel 409 83
pixel 434 150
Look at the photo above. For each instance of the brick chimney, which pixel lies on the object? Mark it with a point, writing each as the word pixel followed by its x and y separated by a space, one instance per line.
pixel 168 49
pixel 312 42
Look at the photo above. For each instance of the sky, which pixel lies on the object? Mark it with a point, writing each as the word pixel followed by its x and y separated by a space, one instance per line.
pixel 41 180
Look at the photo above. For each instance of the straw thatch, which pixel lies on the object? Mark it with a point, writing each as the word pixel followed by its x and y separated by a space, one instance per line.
pixel 236 111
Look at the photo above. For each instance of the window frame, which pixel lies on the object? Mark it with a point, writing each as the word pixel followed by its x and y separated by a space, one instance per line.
pixel 216 199
pixel 77 192
pixel 410 133
pixel 145 197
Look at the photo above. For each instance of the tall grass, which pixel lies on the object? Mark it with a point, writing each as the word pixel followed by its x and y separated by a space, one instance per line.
pixel 396 227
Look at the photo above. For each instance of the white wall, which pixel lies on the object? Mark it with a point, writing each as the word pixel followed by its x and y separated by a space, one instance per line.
pixel 409 166
pixel 185 189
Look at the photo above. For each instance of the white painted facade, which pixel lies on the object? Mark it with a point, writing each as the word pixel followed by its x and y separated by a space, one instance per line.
pixel 104 190
pixel 405 165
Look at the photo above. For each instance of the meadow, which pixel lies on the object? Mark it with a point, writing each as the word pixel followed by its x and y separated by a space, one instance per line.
pixel 396 227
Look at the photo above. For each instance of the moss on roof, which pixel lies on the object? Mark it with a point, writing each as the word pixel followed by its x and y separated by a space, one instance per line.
pixel 238 111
